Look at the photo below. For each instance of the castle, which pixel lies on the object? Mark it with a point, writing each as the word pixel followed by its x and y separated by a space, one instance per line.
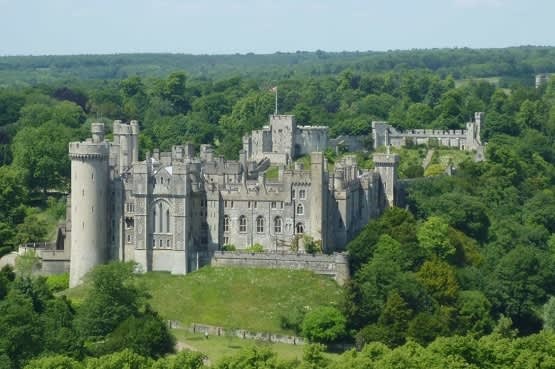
pixel 383 134
pixel 174 210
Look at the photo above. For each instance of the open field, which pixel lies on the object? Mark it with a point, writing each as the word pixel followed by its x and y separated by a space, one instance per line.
pixel 246 298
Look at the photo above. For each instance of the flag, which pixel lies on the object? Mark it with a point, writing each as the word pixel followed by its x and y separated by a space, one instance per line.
pixel 274 89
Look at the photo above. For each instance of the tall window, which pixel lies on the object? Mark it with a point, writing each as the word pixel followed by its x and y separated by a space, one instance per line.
pixel 292 194
pixel 277 225
pixel 162 218
pixel 242 224
pixel 302 194
pixel 260 224
pixel 300 228
pixel 226 223
pixel 300 209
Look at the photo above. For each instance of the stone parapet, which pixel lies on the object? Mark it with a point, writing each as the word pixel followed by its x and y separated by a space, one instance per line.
pixel 334 265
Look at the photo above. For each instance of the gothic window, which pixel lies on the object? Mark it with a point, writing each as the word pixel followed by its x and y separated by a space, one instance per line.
pixel 160 218
pixel 293 194
pixel 277 224
pixel 226 223
pixel 260 224
pixel 300 209
pixel 302 194
pixel 242 224
pixel 300 228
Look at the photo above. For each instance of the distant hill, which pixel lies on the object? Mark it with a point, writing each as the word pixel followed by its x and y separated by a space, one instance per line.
pixel 246 298
pixel 515 62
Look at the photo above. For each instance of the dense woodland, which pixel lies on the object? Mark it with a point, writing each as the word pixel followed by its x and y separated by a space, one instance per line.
pixel 463 277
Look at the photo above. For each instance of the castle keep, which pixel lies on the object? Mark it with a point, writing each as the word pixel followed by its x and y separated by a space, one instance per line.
pixel 174 210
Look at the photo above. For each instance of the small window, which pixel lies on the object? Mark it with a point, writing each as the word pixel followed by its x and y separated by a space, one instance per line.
pixel 160 243
pixel 226 223
pixel 161 180
pixel 168 244
pixel 293 194
pixel 260 224
pixel 225 204
pixel 128 238
pixel 243 224
pixel 277 224
pixel 226 240
pixel 300 228
pixel 302 194
pixel 300 209
pixel 274 205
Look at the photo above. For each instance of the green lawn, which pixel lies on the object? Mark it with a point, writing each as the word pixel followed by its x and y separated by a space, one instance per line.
pixel 215 348
pixel 247 298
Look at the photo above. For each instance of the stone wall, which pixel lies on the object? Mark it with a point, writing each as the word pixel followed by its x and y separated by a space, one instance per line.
pixel 335 265
pixel 211 330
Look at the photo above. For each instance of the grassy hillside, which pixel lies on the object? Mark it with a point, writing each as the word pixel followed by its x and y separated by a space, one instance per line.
pixel 246 298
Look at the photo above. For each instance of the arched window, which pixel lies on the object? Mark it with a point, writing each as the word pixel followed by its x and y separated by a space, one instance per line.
pixel 300 228
pixel 260 224
pixel 160 219
pixel 226 223
pixel 242 224
pixel 300 209
pixel 277 224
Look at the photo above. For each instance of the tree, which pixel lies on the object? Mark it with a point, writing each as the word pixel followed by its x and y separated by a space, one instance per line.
pixel 147 335
pixel 519 284
pixel 42 152
pixel 21 337
pixel 324 324
pixel 440 281
pixel 549 315
pixel 124 359
pixel 433 236
pixel 112 299
pixel 182 360
pixel 54 362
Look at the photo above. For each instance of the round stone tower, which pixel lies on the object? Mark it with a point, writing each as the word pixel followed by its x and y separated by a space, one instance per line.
pixel 89 201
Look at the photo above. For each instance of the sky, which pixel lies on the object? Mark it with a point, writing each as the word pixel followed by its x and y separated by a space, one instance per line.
pixel 39 27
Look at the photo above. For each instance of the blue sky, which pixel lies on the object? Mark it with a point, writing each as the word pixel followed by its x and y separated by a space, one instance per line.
pixel 266 26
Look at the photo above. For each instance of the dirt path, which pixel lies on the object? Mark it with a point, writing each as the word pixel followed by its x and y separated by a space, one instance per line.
pixel 428 158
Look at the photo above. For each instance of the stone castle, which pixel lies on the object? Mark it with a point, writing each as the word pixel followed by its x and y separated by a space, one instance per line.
pixel 174 210
pixel 383 134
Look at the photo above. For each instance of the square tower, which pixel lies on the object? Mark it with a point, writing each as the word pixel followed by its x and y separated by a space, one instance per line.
pixel 283 129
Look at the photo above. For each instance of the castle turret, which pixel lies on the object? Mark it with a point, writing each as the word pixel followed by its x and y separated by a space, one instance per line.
pixel 317 198
pixel 89 199
pixel 386 166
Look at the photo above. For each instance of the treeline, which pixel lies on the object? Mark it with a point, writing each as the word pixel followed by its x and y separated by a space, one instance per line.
pixel 36 123
pixel 515 62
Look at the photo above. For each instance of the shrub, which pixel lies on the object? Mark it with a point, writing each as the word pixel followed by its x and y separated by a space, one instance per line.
pixel 255 248
pixel 324 324
pixel 229 247
pixel 58 282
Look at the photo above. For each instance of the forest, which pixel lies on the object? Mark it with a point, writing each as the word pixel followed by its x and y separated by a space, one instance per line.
pixel 463 276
